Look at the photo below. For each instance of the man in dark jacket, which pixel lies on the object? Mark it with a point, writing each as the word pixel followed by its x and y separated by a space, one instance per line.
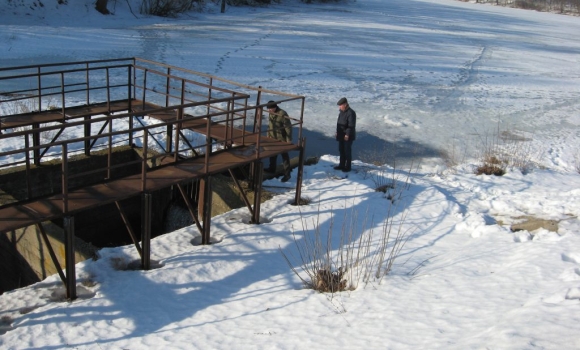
pixel 279 128
pixel 345 134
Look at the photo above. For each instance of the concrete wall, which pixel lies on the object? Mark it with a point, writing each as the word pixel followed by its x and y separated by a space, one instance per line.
pixel 25 258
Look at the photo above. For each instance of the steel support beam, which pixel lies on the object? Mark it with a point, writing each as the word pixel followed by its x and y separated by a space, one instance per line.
pixel 258 178
pixel 204 207
pixel 69 248
pixel 129 228
pixel 300 172
pixel 146 230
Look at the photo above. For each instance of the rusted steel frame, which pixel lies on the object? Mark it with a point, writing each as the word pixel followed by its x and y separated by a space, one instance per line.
pixel 146 129
pixel 63 96
pixel 244 119
pixel 300 174
pixel 230 124
pixel 51 142
pixel 129 228
pixel 69 247
pixel 27 164
pixel 64 178
pixel 144 87
pixel 209 91
pixel 108 90
pixel 259 133
pixel 51 253
pixel 205 197
pixel 36 143
pixel 190 208
pixel 257 191
pixel 178 124
pixel 207 145
pixel 39 80
pixel 130 95
pixel 244 197
pixel 146 207
pixel 167 84
pixel 59 64
pixel 301 119
pixel 144 162
pixel 87 130
pixel 95 139
pixel 182 70
pixel 110 149
pixel 169 140
pixel 257 112
pixel 87 79
pixel 188 143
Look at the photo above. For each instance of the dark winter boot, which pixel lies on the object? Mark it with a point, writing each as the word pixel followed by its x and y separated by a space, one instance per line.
pixel 346 168
pixel 340 165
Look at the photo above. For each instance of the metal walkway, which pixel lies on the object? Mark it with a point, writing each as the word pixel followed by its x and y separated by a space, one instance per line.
pixel 180 101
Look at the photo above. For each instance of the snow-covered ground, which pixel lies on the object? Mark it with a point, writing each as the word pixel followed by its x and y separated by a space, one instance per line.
pixel 425 77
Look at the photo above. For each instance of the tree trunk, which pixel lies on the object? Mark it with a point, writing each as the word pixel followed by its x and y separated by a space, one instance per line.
pixel 101 6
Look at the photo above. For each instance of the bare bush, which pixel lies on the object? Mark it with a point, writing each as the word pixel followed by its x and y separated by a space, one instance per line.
pixel 362 255
pixel 504 149
pixel 167 8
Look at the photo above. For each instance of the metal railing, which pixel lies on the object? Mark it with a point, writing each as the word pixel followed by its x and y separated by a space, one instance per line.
pixel 176 96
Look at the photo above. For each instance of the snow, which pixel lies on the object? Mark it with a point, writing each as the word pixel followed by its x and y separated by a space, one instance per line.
pixel 426 78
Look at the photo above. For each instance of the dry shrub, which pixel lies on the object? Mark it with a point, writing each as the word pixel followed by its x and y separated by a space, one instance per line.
pixel 329 281
pixel 361 256
pixel 502 150
pixel 166 8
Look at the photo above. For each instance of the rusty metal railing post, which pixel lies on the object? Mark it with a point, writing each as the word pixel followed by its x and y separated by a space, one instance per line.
pixel 63 95
pixel 108 90
pixel 167 87
pixel 258 97
pixel 146 207
pixel 144 163
pixel 208 144
pixel 69 247
pixel 258 178
pixel 209 94
pixel 87 77
pixel 301 119
pixel 144 86
pixel 300 175
pixel 130 101
pixel 178 125
pixel 64 178
pixel 110 150
pixel 27 160
pixel 39 79
pixel 259 133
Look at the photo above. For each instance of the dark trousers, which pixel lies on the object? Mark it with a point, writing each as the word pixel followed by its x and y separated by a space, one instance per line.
pixel 285 162
pixel 345 151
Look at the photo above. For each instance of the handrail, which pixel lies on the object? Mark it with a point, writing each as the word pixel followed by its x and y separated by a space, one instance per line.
pixel 223 106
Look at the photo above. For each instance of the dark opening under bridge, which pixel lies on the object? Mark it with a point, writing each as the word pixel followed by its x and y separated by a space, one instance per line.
pixel 198 126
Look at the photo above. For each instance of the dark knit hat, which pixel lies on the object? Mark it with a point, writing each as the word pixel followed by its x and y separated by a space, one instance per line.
pixel 342 101
pixel 271 104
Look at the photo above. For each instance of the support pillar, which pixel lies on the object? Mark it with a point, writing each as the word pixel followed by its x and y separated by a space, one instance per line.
pixel 258 178
pixel 146 230
pixel 69 248
pixel 204 207
pixel 300 174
